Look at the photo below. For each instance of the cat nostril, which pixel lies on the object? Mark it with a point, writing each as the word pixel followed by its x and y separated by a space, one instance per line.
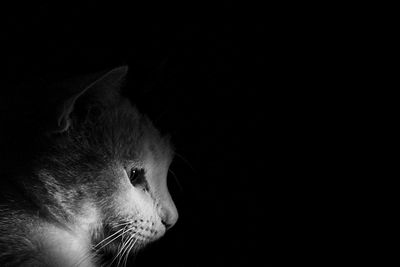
pixel 169 216
pixel 167 225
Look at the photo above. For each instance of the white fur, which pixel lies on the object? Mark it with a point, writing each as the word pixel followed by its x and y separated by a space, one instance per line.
pixel 67 247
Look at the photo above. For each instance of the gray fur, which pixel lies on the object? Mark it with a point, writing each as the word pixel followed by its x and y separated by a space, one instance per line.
pixel 98 132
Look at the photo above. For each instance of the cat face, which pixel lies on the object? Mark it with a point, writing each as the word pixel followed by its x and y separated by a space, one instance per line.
pixel 144 202
pixel 117 165
pixel 142 208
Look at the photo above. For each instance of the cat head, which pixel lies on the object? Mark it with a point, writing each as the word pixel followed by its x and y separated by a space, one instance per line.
pixel 108 165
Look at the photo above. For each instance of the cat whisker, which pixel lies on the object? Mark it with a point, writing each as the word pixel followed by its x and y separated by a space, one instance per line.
pixel 128 243
pixel 104 240
pixel 116 235
pixel 130 238
pixel 121 234
pixel 126 257
pixel 123 247
pixel 89 253
pixel 103 246
pixel 185 161
pixel 120 247
pixel 176 180
pixel 128 251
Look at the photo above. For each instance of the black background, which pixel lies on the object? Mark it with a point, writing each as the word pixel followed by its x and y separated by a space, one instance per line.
pixel 205 83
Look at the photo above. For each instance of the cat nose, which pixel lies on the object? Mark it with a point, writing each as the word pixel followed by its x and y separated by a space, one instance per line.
pixel 169 215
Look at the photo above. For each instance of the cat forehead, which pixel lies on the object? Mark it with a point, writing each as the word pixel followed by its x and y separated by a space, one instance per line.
pixel 153 155
pixel 147 144
pixel 158 151
pixel 132 135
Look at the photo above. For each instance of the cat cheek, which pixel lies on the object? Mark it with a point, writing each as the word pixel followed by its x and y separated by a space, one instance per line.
pixel 133 202
pixel 127 201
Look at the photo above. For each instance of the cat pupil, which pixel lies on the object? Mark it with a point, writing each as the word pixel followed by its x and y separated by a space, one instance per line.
pixel 133 175
pixel 137 177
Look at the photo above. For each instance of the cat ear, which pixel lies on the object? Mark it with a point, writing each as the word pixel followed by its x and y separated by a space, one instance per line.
pixel 97 92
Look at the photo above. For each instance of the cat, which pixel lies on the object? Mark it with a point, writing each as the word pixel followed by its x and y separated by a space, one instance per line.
pixel 97 186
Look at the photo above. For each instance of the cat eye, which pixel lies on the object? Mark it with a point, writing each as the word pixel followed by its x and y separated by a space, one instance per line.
pixel 133 174
pixel 136 176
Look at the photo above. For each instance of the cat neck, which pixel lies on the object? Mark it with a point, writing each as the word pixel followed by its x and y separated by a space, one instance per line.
pixel 69 245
